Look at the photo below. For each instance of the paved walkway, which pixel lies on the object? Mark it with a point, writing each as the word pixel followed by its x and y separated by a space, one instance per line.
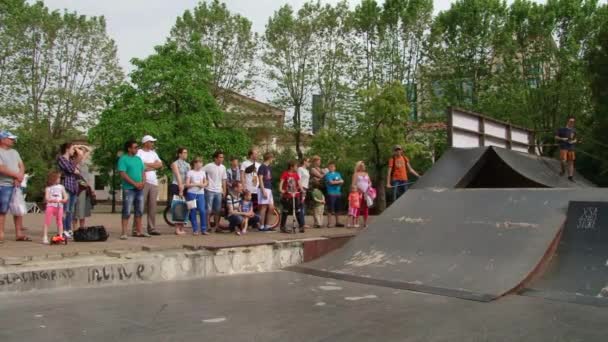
pixel 168 240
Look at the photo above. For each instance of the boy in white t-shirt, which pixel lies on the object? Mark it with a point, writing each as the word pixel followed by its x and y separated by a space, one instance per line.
pixel 249 174
pixel 216 188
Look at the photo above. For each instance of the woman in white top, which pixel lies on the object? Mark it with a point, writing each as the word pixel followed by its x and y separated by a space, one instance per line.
pixel 196 181
pixel 362 181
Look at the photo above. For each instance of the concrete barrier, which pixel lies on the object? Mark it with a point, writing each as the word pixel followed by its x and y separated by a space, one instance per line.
pixel 118 267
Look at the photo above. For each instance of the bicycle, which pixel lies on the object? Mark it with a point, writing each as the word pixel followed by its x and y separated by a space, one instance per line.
pixel 274 217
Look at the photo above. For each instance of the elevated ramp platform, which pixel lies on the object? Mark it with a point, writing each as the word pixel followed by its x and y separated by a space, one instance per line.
pixel 494 167
pixel 476 244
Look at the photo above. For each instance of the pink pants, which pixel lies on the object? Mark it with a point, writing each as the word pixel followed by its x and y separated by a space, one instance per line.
pixel 53 211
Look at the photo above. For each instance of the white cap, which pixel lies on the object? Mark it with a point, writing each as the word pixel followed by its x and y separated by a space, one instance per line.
pixel 147 138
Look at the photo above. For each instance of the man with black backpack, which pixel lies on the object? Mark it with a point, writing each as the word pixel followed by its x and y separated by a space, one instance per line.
pixel 397 178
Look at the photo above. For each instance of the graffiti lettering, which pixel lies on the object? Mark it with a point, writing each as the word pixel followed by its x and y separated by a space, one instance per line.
pixel 35 277
pixel 111 273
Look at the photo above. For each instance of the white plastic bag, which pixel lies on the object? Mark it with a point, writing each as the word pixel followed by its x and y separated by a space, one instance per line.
pixel 191 204
pixel 18 207
pixel 369 201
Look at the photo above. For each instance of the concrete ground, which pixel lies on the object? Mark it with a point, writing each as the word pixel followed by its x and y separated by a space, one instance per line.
pixel 285 306
pixel 168 240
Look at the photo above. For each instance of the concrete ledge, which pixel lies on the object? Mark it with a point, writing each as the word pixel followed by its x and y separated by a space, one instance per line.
pixel 153 264
pixel 117 268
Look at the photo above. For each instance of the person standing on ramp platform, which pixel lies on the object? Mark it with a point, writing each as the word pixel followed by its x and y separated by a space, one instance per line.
pixel 566 137
pixel 397 178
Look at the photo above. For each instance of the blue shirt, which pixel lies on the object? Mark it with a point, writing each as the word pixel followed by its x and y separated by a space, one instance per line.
pixel 333 189
pixel 569 133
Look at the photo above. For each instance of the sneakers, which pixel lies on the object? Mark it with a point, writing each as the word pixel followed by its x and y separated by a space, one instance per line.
pixel 571 179
pixel 45 240
pixel 285 230
pixel 154 232
pixel 67 234
pixel 339 225
pixel 123 237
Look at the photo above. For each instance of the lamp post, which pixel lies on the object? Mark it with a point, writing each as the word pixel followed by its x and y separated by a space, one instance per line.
pixel 118 155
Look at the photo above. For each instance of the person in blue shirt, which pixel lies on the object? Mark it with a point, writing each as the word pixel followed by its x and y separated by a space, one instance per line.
pixel 566 139
pixel 333 184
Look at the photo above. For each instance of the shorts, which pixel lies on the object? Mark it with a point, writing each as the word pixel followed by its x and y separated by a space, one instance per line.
pixel 354 212
pixel 333 203
pixel 268 201
pixel 214 201
pixel 567 155
pixel 6 194
pixel 132 199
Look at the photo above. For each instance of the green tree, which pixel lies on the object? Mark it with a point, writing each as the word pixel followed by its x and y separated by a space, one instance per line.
pixel 56 68
pixel 331 61
pixel 464 51
pixel 170 99
pixel 228 36
pixel 381 124
pixel 63 68
pixel 594 161
pixel 288 50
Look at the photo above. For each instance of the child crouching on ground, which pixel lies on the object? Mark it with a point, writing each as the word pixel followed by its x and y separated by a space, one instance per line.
pixel 246 207
pixel 55 196
pixel 354 203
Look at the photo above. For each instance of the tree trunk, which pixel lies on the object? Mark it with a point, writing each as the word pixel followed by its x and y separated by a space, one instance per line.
pixel 298 130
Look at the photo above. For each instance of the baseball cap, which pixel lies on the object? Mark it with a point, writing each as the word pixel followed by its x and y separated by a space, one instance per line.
pixel 397 147
pixel 7 134
pixel 147 138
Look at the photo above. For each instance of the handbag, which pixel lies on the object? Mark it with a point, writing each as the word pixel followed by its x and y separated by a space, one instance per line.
pixel 179 209
pixel 17 206
pixel 91 234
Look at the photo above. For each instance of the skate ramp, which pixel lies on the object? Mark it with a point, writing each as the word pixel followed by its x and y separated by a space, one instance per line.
pixel 578 272
pixel 476 244
pixel 495 167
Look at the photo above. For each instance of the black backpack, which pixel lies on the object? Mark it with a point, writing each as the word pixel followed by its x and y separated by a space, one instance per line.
pixel 91 234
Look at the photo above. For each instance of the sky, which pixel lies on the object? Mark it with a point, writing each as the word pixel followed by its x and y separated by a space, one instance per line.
pixel 139 25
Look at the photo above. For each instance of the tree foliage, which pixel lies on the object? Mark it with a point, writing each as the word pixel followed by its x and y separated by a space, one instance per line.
pixel 170 99
pixel 230 39
pixel 288 51
pixel 56 68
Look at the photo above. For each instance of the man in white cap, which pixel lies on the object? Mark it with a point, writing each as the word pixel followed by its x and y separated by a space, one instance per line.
pixel 12 172
pixel 152 163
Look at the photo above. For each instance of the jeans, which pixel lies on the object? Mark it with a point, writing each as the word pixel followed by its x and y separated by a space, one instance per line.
pixel 237 220
pixel 6 194
pixel 132 199
pixel 200 209
pixel 68 210
pixel 214 201
pixel 399 188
